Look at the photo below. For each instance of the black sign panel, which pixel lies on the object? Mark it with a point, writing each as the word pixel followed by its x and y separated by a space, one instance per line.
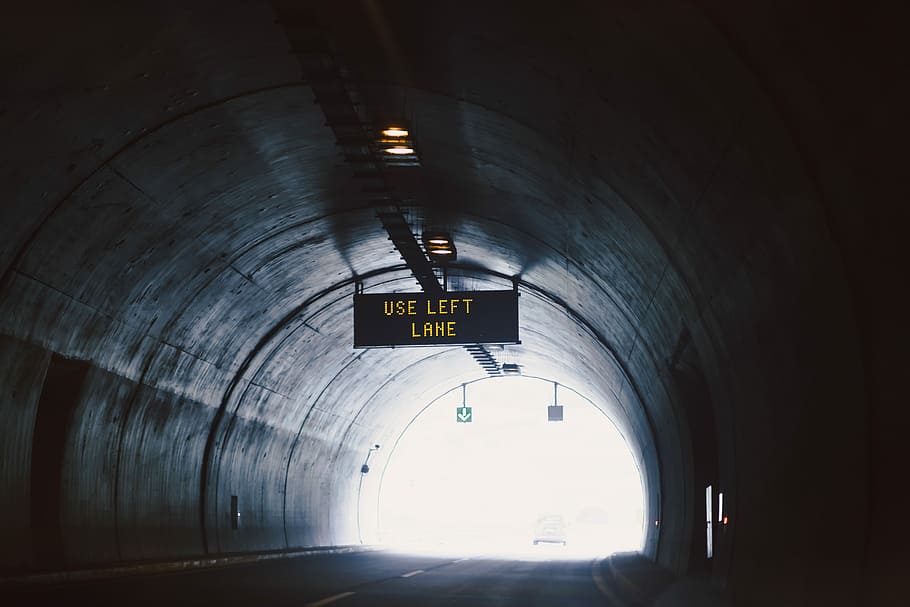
pixel 445 318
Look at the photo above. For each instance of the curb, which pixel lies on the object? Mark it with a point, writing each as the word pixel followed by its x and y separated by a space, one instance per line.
pixel 81 575
pixel 630 592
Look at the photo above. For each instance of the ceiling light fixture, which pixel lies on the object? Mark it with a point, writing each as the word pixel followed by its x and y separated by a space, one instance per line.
pixel 439 246
pixel 395 131
pixel 399 150
pixel 394 144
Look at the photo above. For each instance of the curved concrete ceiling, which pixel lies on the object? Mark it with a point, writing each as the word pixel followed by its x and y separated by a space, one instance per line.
pixel 178 216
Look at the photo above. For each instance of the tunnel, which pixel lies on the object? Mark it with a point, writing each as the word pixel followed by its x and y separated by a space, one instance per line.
pixel 698 206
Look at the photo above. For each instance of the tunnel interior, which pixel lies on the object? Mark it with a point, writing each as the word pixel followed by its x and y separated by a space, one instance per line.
pixel 183 235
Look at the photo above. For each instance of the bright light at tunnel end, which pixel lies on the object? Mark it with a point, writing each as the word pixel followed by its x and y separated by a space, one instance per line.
pixel 510 482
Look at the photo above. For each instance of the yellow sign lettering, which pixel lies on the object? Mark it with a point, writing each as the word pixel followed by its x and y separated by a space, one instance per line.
pixel 448 306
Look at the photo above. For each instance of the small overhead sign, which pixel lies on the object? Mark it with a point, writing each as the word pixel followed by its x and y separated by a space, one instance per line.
pixel 444 318
pixel 554 413
pixel 464 415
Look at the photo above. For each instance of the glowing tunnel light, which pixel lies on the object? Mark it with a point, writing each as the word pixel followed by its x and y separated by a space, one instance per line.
pixel 399 150
pixel 395 146
pixel 439 245
pixel 394 131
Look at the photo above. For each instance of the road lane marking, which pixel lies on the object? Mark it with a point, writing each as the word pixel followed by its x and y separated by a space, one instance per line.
pixel 413 573
pixel 330 599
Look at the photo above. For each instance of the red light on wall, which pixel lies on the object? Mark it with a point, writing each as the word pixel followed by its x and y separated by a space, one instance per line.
pixel 656 523
pixel 726 520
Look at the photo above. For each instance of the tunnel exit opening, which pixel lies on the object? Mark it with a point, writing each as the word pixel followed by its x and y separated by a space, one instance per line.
pixel 486 467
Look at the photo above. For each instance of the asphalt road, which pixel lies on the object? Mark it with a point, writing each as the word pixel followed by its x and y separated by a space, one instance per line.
pixel 347 580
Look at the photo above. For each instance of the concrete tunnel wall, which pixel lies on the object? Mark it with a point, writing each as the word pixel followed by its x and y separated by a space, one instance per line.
pixel 177 216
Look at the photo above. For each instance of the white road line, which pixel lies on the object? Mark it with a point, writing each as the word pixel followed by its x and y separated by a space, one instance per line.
pixel 328 600
pixel 413 573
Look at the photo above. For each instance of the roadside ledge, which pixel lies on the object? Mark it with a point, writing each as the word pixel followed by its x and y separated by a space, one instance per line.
pixel 158 567
pixel 630 579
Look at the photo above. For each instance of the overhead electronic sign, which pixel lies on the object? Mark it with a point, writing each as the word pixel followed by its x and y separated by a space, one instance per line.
pixel 432 319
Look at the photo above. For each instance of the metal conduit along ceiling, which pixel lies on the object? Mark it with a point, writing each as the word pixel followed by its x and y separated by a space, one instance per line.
pixel 684 195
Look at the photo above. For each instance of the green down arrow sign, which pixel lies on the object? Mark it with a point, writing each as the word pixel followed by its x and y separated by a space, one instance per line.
pixel 463 415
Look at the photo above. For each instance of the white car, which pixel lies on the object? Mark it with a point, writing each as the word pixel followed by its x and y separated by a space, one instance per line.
pixel 551 529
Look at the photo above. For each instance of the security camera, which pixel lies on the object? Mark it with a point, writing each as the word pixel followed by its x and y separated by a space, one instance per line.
pixel 376 446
